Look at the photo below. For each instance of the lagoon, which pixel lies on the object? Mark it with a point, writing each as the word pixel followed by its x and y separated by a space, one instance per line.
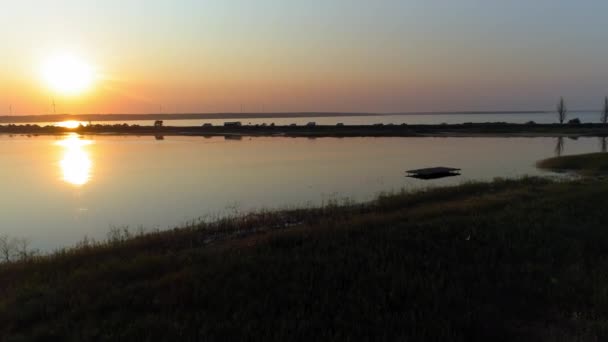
pixel 58 189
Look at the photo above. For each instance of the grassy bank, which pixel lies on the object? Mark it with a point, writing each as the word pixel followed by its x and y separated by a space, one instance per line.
pixel 508 260
pixel 590 164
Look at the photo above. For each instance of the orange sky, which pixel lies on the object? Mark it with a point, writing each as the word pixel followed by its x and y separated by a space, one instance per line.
pixel 355 56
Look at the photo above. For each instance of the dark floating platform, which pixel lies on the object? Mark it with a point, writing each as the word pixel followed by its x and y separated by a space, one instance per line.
pixel 433 173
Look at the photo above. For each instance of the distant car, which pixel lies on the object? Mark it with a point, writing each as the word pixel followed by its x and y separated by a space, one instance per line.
pixel 293 125
pixel 311 124
pixel 207 125
pixel 340 124
pixel 232 124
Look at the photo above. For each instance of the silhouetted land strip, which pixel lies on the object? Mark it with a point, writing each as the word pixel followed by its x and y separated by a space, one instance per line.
pixel 185 116
pixel 591 164
pixel 521 260
pixel 209 116
pixel 464 130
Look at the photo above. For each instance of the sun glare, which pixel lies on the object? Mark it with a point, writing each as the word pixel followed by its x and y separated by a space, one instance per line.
pixel 71 124
pixel 68 75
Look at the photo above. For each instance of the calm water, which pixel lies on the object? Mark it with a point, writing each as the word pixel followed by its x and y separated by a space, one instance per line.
pixel 58 189
pixel 386 119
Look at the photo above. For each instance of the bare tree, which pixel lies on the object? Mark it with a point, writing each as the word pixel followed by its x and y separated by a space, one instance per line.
pixel 559 147
pixel 562 112
pixel 604 117
pixel 7 248
pixel 22 250
pixel 12 249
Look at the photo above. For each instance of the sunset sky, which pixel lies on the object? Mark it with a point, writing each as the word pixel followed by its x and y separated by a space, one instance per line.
pixel 314 55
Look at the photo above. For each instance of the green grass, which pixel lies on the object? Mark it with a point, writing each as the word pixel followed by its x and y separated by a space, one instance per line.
pixel 586 164
pixel 521 260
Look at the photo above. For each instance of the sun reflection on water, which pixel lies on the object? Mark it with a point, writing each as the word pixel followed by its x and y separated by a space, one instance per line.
pixel 76 163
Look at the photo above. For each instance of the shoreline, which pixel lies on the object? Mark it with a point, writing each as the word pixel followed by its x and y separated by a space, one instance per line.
pixel 33 118
pixel 505 251
pixel 322 131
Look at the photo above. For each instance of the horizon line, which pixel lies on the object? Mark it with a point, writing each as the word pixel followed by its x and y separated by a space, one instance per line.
pixel 339 113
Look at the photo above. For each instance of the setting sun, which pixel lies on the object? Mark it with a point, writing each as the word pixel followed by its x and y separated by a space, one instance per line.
pixel 68 74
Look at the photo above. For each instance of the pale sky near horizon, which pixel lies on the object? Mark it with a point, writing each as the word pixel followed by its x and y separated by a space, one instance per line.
pixel 315 55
